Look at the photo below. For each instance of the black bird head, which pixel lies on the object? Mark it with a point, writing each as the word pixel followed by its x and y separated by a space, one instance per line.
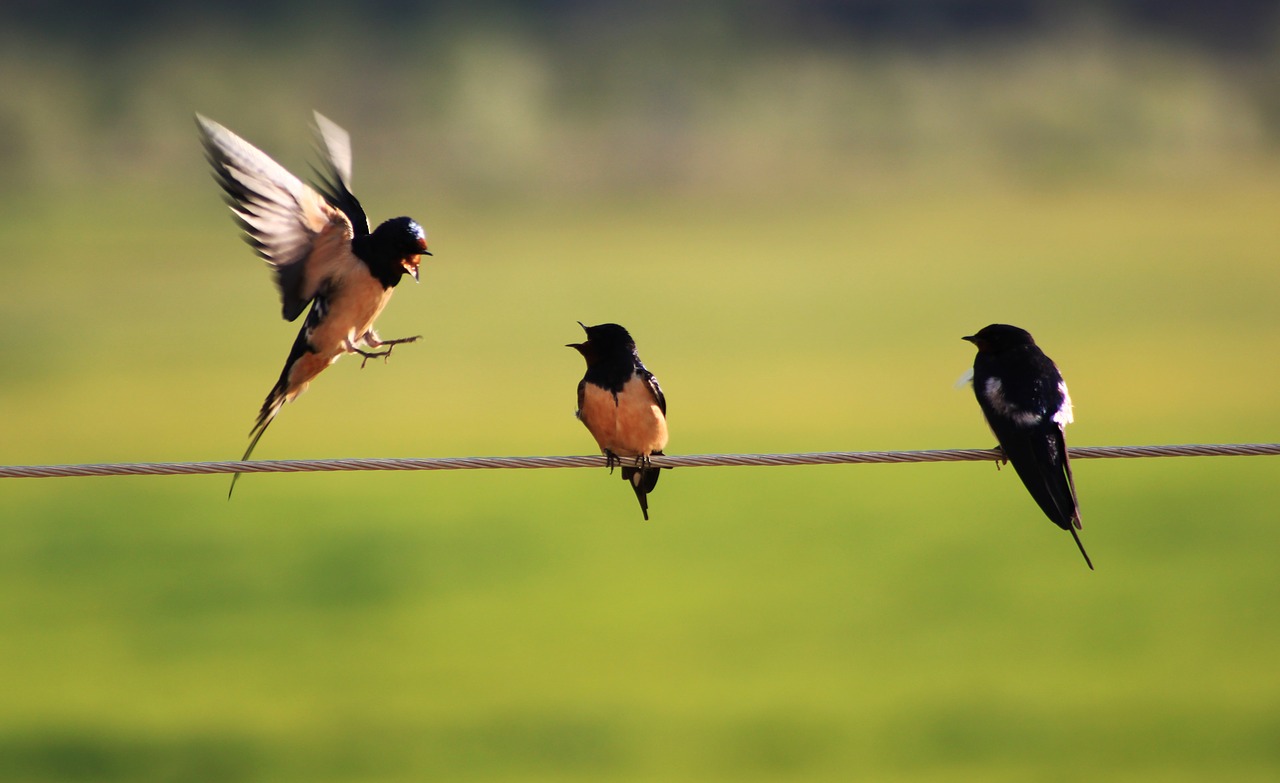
pixel 605 342
pixel 393 249
pixel 1000 337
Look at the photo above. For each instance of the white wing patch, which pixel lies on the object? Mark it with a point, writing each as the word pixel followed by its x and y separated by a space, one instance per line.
pixel 993 390
pixel 1063 416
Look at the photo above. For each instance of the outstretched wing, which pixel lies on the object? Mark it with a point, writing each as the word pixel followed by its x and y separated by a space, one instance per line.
pixel 333 180
pixel 305 240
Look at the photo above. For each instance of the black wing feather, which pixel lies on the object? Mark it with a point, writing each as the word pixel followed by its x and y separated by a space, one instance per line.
pixel 279 215
pixel 651 381
pixel 333 179
pixel 1039 456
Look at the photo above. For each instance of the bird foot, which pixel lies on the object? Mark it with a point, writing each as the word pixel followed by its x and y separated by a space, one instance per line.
pixel 1003 459
pixel 384 355
pixel 611 460
pixel 372 355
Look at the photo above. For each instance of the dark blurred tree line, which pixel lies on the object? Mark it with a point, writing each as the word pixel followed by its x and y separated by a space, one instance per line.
pixel 619 91
pixel 1227 26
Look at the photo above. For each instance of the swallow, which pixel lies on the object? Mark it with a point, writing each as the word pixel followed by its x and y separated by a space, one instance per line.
pixel 317 241
pixel 622 405
pixel 1026 404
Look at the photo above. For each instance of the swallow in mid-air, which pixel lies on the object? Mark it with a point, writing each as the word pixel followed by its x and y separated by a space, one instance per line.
pixel 1026 404
pixel 622 405
pixel 319 244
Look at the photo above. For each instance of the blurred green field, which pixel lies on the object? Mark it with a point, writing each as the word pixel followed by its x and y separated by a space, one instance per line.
pixel 886 623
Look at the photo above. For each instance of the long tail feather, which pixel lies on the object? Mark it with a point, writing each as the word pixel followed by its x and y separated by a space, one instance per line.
pixel 642 481
pixel 283 391
pixel 270 407
pixel 1076 536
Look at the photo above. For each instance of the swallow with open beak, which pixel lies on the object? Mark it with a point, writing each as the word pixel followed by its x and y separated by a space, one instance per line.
pixel 622 406
pixel 317 241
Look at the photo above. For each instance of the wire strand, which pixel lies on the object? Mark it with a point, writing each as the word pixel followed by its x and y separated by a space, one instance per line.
pixel 597 461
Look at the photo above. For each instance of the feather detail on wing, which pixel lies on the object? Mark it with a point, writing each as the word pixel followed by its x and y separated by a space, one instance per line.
pixel 651 381
pixel 334 180
pixel 287 223
pixel 1040 458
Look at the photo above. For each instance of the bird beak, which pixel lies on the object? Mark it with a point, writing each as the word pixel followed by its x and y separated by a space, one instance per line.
pixel 971 339
pixel 575 346
pixel 584 326
pixel 410 265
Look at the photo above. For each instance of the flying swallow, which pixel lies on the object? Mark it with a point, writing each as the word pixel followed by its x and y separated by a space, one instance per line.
pixel 1026 404
pixel 317 240
pixel 622 405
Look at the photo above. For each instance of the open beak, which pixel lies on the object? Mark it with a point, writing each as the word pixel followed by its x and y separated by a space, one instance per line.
pixel 411 266
pixel 580 347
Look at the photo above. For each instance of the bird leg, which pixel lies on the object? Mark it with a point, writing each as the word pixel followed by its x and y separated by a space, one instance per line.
pixel 611 460
pixel 1003 459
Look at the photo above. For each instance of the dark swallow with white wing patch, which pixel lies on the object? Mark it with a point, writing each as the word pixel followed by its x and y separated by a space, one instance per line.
pixel 324 255
pixel 1026 404
pixel 622 405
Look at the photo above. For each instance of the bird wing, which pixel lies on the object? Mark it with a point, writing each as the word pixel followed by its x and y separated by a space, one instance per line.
pixel 1039 455
pixel 651 383
pixel 334 181
pixel 305 240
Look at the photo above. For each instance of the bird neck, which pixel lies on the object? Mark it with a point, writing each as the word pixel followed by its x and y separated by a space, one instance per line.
pixel 612 372
pixel 383 261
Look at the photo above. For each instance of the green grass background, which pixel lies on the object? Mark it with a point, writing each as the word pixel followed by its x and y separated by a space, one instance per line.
pixel 908 623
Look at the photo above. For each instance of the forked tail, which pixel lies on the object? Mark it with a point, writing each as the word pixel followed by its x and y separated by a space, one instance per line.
pixel 642 481
pixel 1076 536
pixel 270 407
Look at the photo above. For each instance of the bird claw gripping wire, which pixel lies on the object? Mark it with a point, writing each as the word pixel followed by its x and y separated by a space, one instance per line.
pixel 1001 459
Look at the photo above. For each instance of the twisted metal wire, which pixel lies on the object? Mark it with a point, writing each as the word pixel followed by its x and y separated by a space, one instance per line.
pixel 596 461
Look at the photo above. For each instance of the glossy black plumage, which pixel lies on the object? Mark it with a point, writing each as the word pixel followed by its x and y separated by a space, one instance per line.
pixel 622 406
pixel 1027 405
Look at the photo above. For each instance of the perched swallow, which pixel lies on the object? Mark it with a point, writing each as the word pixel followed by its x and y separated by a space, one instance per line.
pixel 622 405
pixel 1026 404
pixel 319 244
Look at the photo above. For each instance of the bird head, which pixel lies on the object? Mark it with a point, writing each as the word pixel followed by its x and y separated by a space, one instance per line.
pixel 403 238
pixel 604 340
pixel 999 337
